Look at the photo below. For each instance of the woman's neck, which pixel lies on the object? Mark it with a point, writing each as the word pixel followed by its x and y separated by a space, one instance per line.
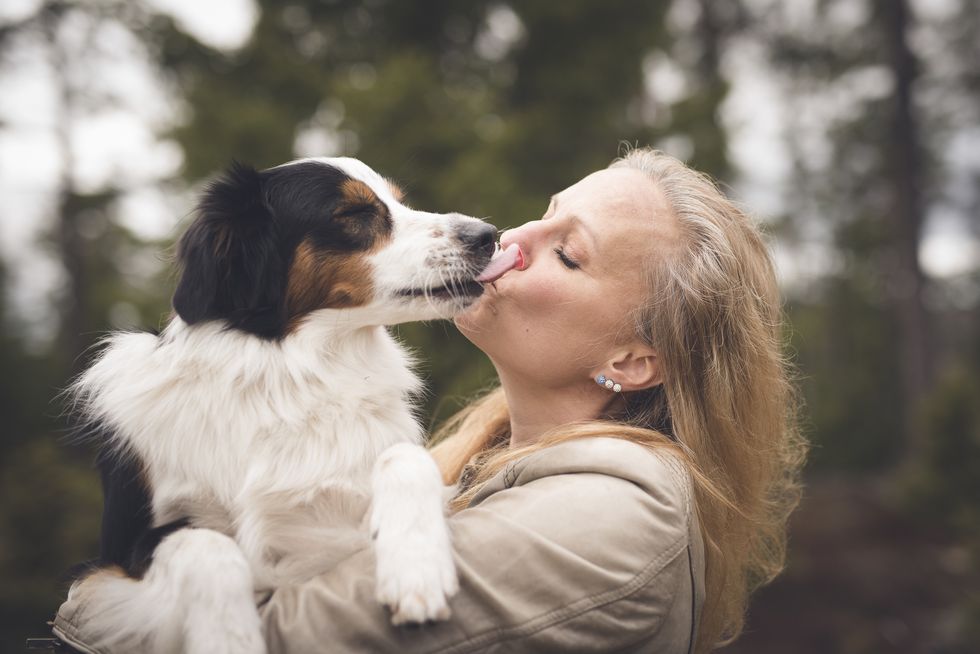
pixel 534 409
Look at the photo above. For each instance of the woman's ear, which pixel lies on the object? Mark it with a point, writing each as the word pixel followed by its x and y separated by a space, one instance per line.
pixel 634 369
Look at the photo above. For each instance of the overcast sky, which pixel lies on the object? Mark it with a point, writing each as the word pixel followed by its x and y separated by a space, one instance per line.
pixel 121 144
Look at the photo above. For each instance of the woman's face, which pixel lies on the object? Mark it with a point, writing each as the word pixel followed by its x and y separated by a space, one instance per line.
pixel 561 316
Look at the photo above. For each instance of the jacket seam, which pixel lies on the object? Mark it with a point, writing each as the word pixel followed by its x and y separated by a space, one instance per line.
pixel 70 631
pixel 510 476
pixel 694 601
pixel 654 632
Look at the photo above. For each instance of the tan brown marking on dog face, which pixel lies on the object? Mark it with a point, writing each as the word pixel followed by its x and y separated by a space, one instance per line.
pixel 362 215
pixel 326 280
pixel 331 270
pixel 355 192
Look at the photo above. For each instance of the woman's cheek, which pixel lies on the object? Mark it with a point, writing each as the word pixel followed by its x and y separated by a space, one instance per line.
pixel 523 301
pixel 543 297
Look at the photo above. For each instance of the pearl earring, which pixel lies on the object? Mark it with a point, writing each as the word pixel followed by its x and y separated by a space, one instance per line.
pixel 604 381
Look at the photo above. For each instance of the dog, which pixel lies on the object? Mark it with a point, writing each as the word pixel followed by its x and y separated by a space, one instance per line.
pixel 269 426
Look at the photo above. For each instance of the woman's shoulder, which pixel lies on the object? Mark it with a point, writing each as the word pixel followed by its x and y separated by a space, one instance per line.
pixel 627 497
pixel 610 524
pixel 657 473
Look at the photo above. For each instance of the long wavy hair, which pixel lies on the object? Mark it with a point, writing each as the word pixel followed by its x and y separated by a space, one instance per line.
pixel 727 406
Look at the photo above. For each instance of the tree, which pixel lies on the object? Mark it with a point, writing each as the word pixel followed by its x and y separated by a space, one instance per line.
pixel 880 168
pixel 905 173
pixel 52 500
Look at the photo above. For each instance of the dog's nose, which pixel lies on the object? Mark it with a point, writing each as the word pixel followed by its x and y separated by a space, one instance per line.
pixel 477 237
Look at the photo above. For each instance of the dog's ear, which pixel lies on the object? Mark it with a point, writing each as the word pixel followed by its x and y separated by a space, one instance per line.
pixel 230 265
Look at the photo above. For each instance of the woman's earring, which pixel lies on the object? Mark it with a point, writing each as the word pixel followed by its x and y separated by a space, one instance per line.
pixel 604 381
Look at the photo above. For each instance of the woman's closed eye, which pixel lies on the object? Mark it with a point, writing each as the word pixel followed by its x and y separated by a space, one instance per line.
pixel 566 260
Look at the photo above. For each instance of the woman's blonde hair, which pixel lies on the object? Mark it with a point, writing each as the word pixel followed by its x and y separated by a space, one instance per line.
pixel 727 405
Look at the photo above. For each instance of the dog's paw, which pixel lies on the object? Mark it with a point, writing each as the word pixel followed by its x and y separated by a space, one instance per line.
pixel 415 583
pixel 416 573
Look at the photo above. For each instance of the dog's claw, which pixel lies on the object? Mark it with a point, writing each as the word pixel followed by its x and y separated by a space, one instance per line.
pixel 419 590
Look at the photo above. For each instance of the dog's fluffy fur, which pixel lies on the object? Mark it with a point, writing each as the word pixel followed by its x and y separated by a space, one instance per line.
pixel 238 444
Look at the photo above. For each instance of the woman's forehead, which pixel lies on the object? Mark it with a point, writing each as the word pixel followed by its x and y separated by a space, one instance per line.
pixel 623 207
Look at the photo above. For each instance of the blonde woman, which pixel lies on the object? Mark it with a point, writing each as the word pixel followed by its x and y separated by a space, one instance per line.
pixel 628 484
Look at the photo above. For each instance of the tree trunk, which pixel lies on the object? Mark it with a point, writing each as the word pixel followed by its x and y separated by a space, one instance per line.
pixel 73 299
pixel 905 171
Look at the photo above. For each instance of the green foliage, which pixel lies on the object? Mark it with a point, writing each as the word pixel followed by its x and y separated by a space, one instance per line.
pixel 941 491
pixel 868 183
pixel 51 498
pixel 49 523
pixel 845 347
pixel 944 488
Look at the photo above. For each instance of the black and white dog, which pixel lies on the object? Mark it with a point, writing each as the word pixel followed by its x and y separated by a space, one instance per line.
pixel 249 444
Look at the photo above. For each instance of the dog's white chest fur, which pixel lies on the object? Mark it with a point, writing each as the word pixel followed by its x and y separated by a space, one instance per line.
pixel 230 427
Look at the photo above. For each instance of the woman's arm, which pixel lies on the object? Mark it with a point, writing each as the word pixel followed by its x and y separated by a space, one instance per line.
pixel 575 561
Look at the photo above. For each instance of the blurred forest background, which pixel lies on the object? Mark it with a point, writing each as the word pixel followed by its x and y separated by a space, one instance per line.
pixel 871 115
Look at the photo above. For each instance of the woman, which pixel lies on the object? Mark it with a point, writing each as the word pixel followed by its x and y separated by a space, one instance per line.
pixel 628 484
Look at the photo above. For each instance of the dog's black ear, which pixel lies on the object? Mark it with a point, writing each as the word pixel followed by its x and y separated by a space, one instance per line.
pixel 231 267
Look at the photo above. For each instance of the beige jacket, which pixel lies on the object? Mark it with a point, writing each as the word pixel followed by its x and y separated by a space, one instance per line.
pixel 587 546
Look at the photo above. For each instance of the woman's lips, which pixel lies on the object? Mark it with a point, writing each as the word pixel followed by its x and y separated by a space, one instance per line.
pixel 503 260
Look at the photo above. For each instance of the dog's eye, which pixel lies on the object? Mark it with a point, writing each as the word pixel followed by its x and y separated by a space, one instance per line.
pixel 355 211
pixel 358 201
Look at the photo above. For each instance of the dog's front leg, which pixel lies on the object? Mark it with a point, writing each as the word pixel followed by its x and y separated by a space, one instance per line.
pixel 416 575
pixel 195 598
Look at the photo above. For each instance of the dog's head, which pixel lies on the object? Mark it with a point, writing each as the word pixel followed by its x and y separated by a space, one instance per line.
pixel 269 248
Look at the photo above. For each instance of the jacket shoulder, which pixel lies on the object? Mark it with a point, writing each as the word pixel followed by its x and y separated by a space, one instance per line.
pixel 658 473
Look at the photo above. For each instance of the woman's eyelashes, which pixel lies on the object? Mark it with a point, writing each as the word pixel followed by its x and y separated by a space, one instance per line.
pixel 566 260
pixel 563 256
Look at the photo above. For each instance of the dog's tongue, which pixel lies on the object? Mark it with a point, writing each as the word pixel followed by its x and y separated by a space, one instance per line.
pixel 502 261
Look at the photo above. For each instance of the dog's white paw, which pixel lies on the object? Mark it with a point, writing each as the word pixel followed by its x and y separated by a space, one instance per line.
pixel 416 573
pixel 415 582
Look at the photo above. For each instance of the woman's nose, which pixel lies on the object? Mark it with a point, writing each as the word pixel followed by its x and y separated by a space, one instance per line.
pixel 526 236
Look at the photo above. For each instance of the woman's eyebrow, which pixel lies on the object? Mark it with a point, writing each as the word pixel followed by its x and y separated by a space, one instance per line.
pixel 578 223
pixel 582 226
